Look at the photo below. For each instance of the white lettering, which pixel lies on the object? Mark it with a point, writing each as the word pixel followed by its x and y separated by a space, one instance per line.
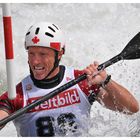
pixel 54 102
pixel 49 103
pixel 63 99
pixel 44 105
pixel 69 97
pixel 74 97
pixel 66 97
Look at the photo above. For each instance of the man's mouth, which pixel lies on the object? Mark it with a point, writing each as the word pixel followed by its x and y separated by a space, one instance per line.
pixel 38 68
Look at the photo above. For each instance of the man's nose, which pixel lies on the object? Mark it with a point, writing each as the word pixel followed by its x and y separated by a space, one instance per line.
pixel 36 59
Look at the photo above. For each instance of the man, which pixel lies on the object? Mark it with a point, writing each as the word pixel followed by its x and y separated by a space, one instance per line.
pixel 66 114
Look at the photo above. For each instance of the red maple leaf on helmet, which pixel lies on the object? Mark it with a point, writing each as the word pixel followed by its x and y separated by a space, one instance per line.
pixel 35 40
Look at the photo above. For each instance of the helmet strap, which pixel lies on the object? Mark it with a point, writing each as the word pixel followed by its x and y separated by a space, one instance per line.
pixel 56 64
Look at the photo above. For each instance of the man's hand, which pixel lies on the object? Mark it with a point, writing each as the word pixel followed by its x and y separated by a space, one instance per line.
pixel 91 70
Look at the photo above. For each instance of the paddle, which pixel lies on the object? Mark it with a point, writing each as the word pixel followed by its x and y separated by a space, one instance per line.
pixel 131 51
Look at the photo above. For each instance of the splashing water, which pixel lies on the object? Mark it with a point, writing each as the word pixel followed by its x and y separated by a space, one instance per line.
pixel 93 32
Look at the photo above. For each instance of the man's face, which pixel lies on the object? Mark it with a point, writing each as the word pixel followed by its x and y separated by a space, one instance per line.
pixel 41 61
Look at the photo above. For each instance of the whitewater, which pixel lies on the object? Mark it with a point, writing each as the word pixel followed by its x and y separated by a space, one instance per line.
pixel 93 32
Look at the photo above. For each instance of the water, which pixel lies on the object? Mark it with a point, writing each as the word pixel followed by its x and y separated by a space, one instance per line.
pixel 93 32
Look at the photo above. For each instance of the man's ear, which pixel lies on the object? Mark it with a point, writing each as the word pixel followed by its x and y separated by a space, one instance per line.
pixel 60 54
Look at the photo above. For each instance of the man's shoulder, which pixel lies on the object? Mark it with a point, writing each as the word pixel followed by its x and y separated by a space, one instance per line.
pixel 26 78
pixel 19 90
pixel 77 72
pixel 15 104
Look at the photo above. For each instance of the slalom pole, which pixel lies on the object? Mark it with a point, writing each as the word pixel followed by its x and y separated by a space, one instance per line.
pixel 7 24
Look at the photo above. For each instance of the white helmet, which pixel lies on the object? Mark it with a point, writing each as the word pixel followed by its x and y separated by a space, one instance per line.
pixel 45 34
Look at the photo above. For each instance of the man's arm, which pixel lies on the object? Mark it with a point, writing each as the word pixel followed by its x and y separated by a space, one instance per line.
pixel 3 114
pixel 8 106
pixel 118 98
pixel 113 95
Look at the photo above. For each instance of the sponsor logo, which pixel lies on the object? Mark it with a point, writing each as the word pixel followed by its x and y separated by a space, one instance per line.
pixel 68 78
pixel 63 99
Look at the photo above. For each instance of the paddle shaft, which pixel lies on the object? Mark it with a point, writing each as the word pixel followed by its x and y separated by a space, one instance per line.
pixel 131 51
pixel 57 91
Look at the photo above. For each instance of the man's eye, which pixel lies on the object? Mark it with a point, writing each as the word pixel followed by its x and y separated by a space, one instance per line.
pixel 31 54
pixel 43 54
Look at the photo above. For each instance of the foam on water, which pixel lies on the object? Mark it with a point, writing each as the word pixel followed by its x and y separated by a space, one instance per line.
pixel 93 32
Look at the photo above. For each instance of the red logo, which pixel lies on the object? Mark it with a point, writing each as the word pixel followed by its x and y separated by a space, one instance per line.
pixel 68 78
pixel 63 99
pixel 55 45
pixel 35 40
